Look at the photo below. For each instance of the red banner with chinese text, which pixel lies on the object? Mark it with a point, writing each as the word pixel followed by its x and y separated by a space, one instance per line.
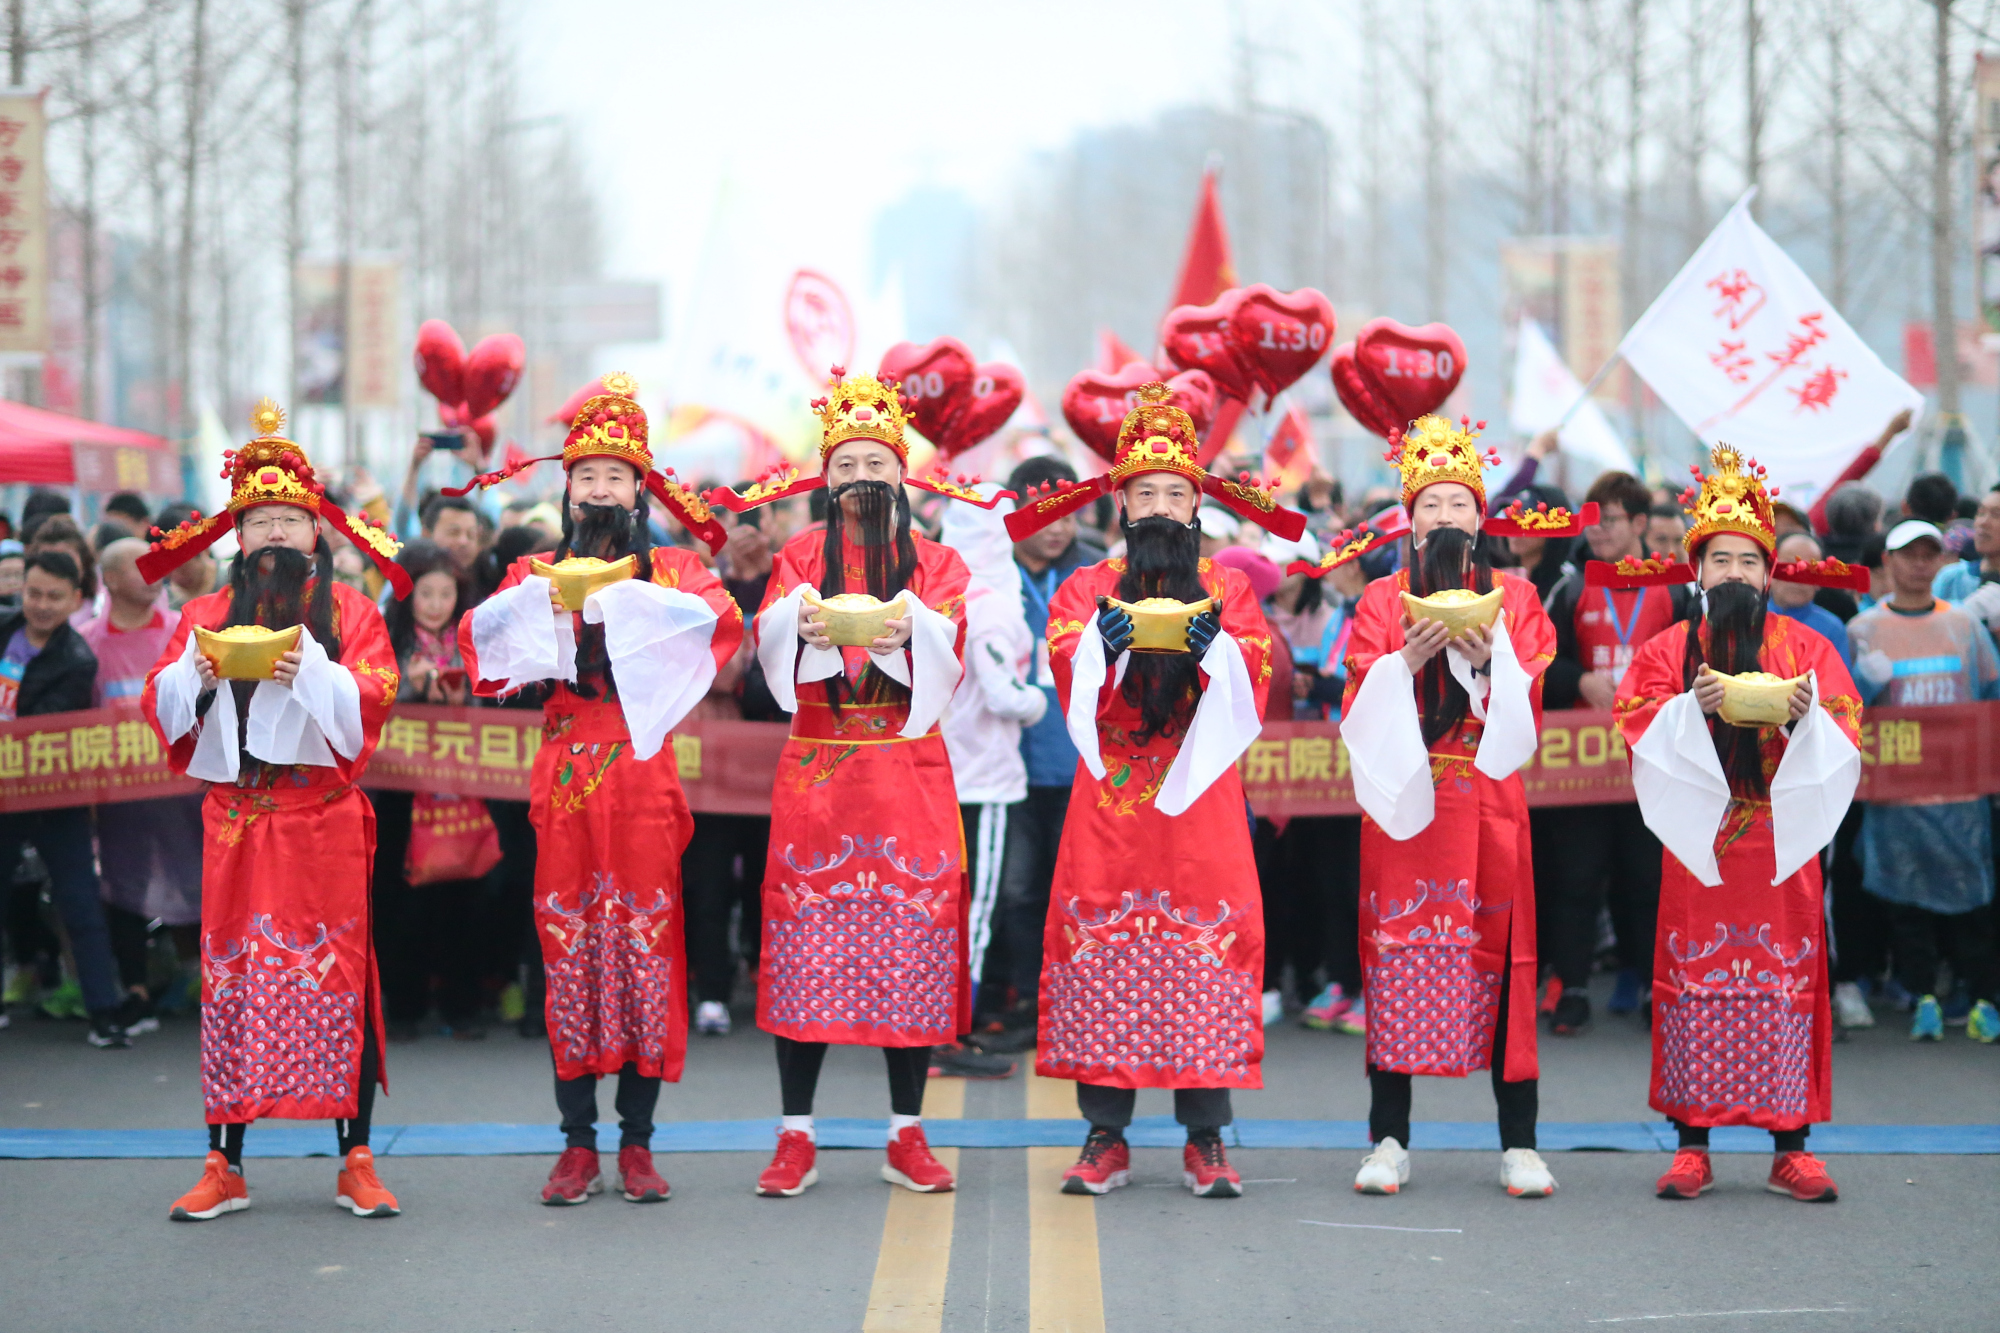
pixel 1293 769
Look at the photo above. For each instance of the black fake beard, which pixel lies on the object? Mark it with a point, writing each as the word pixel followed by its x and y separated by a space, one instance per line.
pixel 881 528
pixel 1449 558
pixel 274 586
pixel 874 510
pixel 603 531
pixel 1162 559
pixel 1733 614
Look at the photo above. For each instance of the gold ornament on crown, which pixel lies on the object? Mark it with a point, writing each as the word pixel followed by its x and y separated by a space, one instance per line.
pixel 269 469
pixel 1434 450
pixel 1157 437
pixel 611 425
pixel 1731 498
pixel 861 407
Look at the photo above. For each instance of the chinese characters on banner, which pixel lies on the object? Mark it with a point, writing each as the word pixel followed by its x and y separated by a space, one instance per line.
pixel 24 238
pixel 1744 349
pixel 375 355
pixel 1569 286
pixel 1293 769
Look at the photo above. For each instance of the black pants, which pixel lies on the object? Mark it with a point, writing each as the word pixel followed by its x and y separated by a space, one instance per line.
pixel 1014 956
pixel 423 930
pixel 1605 853
pixel 67 841
pixel 1310 877
pixel 348 1134
pixel 1860 946
pixel 516 945
pixel 1922 937
pixel 1782 1140
pixel 1518 1103
pixel 722 867
pixel 637 1095
pixel 798 1075
pixel 985 831
pixel 128 931
pixel 1111 1108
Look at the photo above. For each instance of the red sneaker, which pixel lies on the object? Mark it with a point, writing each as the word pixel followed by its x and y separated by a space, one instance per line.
pixel 791 1171
pixel 1205 1169
pixel 1692 1174
pixel 220 1190
pixel 637 1179
pixel 911 1165
pixel 576 1177
pixel 360 1191
pixel 1106 1164
pixel 1551 996
pixel 1803 1176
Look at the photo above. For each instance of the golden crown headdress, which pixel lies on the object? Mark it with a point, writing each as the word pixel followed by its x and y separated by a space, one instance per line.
pixel 1157 437
pixel 1433 450
pixel 1732 498
pixel 861 407
pixel 270 469
pixel 610 425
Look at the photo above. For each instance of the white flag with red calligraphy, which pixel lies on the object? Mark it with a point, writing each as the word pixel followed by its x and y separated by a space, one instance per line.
pixel 1744 349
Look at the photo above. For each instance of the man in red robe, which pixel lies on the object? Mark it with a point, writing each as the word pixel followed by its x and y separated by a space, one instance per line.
pixel 1436 724
pixel 291 1017
pixel 1742 1018
pixel 865 893
pixel 1153 951
pixel 605 796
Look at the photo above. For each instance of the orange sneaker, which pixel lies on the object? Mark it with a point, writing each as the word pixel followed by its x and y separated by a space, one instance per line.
pixel 360 1191
pixel 220 1190
pixel 911 1165
pixel 1803 1176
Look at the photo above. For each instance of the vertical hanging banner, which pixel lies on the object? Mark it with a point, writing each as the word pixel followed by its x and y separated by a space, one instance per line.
pixel 820 323
pixel 1986 197
pixel 24 235
pixel 319 335
pixel 374 343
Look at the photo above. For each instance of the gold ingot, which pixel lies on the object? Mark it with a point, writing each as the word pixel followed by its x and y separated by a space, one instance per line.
pixel 1756 698
pixel 1459 610
pixel 1160 624
pixel 246 652
pixel 855 619
pixel 581 575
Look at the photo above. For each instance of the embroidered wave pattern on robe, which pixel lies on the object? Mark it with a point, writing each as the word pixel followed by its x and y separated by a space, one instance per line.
pixel 268 1030
pixel 866 951
pixel 1436 1011
pixel 1175 1005
pixel 1740 1036
pixel 607 990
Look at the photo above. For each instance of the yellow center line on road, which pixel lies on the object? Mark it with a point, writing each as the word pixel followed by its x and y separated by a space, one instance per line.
pixel 907 1295
pixel 1065 1287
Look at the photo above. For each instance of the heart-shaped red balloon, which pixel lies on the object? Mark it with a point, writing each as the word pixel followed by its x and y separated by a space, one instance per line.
pixel 1358 396
pixel 997 390
pixel 937 379
pixel 440 357
pixel 1197 337
pixel 565 416
pixel 1279 336
pixel 486 429
pixel 1412 371
pixel 492 371
pixel 1095 404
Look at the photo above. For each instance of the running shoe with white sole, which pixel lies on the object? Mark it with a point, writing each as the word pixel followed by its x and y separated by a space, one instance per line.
pixel 360 1191
pixel 1385 1170
pixel 1850 1006
pixel 791 1172
pixel 1927 1023
pixel 1104 1165
pixel 1983 1025
pixel 711 1018
pixel 1206 1171
pixel 1525 1175
pixel 220 1190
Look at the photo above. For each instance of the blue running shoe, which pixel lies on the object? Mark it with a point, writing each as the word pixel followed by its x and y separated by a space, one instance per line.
pixel 1928 1024
pixel 1625 994
pixel 1984 1025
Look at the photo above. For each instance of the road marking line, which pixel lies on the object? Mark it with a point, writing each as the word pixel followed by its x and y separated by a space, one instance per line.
pixel 1371 1226
pixel 1718 1314
pixel 907 1295
pixel 1065 1283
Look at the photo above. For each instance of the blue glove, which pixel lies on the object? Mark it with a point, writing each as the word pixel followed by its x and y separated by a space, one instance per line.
pixel 1115 625
pixel 1202 630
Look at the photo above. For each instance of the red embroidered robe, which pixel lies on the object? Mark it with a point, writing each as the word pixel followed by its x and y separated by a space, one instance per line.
pixel 287 940
pixel 1153 954
pixel 865 892
pixel 609 832
pixel 1742 1019
pixel 1447 913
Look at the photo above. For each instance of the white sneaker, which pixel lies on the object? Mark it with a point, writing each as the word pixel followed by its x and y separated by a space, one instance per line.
pixel 1385 1170
pixel 711 1019
pixel 1274 1007
pixel 1525 1174
pixel 1850 1006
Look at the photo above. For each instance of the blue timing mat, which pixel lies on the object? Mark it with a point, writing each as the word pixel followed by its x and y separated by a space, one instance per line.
pixel 287 1138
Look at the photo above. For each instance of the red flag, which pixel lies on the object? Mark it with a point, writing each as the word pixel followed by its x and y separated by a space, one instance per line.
pixel 1286 441
pixel 1206 271
pixel 1112 353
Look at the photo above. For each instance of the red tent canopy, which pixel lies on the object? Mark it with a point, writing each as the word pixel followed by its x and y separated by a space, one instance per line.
pixel 41 449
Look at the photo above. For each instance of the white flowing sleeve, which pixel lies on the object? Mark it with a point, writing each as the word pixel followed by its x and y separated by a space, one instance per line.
pixel 1812 788
pixel 787 660
pixel 657 640
pixel 1086 682
pixel 931 668
pixel 520 640
pixel 1386 752
pixel 296 724
pixel 1682 792
pixel 177 689
pixel 1501 700
pixel 1225 722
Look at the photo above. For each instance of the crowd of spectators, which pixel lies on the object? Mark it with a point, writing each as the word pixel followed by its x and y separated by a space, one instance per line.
pixel 105 928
